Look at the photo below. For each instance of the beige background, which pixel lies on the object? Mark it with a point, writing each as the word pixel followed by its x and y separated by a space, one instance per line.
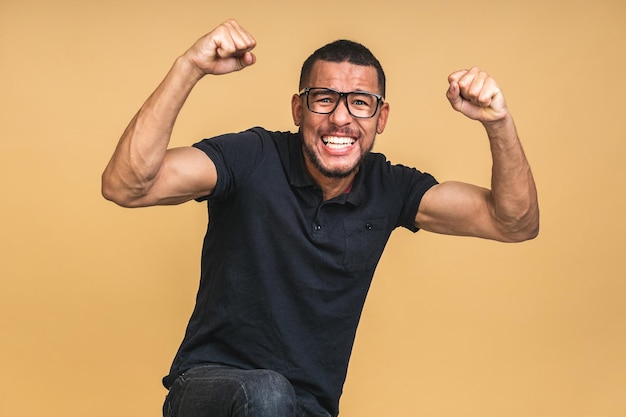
pixel 94 298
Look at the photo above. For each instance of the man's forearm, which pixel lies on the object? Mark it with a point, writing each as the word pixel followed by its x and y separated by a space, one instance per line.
pixel 513 191
pixel 141 149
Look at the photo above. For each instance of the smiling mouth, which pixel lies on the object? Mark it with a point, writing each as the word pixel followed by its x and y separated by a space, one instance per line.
pixel 338 142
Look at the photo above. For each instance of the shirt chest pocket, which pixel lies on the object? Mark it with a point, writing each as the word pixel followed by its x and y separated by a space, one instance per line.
pixel 365 240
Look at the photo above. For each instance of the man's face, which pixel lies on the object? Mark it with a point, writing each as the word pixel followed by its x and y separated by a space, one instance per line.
pixel 334 144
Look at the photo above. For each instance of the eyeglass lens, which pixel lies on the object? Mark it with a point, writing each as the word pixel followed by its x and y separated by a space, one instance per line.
pixel 324 101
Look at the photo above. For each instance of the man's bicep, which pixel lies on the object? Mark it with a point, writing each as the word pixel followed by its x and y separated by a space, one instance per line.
pixel 456 208
pixel 187 173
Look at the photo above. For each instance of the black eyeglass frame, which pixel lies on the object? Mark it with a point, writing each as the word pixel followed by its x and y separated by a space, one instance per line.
pixel 379 99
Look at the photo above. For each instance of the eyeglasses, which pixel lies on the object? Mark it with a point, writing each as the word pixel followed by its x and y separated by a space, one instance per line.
pixel 360 104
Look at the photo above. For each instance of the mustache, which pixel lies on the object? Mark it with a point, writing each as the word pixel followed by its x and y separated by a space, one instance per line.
pixel 343 131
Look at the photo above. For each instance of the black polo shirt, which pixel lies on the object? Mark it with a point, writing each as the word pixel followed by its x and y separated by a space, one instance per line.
pixel 285 274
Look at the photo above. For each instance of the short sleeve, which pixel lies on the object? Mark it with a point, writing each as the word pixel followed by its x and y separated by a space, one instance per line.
pixel 412 184
pixel 235 156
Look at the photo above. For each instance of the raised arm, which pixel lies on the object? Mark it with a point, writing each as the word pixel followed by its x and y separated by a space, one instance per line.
pixel 509 212
pixel 142 170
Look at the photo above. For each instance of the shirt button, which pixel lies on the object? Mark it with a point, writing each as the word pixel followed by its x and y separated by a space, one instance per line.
pixel 368 226
pixel 318 227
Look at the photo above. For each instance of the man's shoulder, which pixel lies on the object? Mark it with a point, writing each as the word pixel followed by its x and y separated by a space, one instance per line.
pixel 275 135
pixel 380 161
pixel 253 133
pixel 379 168
pixel 377 163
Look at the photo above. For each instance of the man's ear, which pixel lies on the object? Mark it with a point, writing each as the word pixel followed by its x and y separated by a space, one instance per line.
pixel 383 116
pixel 296 109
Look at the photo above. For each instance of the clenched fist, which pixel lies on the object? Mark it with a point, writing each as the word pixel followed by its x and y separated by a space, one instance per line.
pixel 227 48
pixel 475 94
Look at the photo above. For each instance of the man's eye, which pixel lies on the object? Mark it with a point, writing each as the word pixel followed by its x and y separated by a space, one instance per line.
pixel 324 99
pixel 362 101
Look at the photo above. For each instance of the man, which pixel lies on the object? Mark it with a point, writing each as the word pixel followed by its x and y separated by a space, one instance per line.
pixel 298 221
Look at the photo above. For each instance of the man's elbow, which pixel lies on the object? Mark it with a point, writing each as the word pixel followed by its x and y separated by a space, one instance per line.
pixel 524 235
pixel 521 230
pixel 111 195
pixel 116 194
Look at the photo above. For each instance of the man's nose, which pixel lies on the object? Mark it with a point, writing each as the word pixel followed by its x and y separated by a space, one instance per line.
pixel 341 115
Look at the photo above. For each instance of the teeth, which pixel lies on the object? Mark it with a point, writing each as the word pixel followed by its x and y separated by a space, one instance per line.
pixel 337 142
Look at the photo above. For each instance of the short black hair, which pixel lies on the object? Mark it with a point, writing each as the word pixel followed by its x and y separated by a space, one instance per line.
pixel 343 50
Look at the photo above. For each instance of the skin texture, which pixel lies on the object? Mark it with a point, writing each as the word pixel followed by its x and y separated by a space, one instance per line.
pixel 144 172
pixel 509 211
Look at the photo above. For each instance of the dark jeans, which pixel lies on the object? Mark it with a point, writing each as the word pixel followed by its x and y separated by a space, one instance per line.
pixel 220 391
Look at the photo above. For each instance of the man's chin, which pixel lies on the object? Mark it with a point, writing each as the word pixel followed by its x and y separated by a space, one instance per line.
pixel 336 172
